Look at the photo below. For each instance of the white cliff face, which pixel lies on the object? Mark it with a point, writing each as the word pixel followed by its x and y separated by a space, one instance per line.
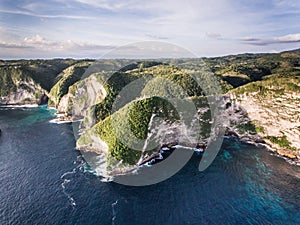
pixel 276 118
pixel 76 105
pixel 88 92
pixel 64 104
pixel 27 92
pixel 277 115
pixel 18 97
pixel 90 142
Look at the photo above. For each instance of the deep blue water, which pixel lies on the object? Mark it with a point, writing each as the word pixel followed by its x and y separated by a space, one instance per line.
pixel 43 181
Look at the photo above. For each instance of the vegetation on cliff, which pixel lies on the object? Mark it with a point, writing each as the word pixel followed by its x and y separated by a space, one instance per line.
pixel 273 107
pixel 43 72
pixel 266 84
pixel 65 79
pixel 29 76
pixel 131 122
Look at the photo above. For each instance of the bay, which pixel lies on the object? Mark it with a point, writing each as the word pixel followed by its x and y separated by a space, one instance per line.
pixel 44 180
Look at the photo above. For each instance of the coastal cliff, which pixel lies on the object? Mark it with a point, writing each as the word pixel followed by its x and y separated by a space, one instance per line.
pixel 259 92
pixel 67 78
pixel 28 81
pixel 272 105
pixel 18 87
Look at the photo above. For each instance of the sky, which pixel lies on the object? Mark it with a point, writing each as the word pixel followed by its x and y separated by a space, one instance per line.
pixel 93 28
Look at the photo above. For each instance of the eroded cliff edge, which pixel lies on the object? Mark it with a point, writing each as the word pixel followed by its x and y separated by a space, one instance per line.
pixel 260 95
pixel 273 106
pixel 29 81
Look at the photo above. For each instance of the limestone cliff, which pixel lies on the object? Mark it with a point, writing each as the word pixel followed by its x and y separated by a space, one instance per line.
pixel 263 100
pixel 23 91
pixel 67 78
pixel 26 81
pixel 124 139
pixel 273 107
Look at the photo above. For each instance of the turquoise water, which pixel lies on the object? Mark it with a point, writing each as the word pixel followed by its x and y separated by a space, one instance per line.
pixel 45 181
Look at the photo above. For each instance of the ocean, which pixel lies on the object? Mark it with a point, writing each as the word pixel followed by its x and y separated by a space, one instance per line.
pixel 44 180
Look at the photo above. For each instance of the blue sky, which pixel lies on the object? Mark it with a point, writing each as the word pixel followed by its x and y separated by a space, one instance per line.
pixel 91 28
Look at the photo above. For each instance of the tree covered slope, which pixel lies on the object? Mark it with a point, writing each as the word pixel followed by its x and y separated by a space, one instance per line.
pixel 266 86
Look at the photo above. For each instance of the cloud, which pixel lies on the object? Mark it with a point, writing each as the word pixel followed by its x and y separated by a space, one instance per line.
pixel 71 45
pixel 37 40
pixel 290 38
pixel 287 4
pixel 49 16
pixel 106 4
pixel 99 25
pixel 129 5
pixel 40 45
pixel 250 39
pixel 211 35
pixel 150 50
pixel 157 37
pixel 5 45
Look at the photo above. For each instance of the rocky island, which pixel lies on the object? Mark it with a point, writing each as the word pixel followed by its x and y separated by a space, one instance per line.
pixel 259 97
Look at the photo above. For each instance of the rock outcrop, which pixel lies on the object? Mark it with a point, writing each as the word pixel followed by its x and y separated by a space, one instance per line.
pixel 262 106
pixel 68 77
pixel 273 111
pixel 27 92
pixel 26 81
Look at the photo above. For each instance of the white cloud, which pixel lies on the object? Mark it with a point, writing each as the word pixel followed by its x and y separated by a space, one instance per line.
pixel 287 3
pixel 213 35
pixel 96 25
pixel 289 38
pixel 159 37
pixel 5 45
pixel 107 4
pixel 37 40
pixel 34 14
pixel 38 45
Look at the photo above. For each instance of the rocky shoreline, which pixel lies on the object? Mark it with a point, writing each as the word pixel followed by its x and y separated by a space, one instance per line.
pixel 271 118
pixel 235 111
pixel 42 100
pixel 292 157
pixel 253 140
pixel 27 104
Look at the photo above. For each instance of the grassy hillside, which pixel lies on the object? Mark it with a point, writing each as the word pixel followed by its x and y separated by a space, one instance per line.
pixel 240 69
pixel 10 77
pixel 271 85
pixel 232 71
pixel 266 82
pixel 264 78
pixel 65 79
pixel 136 117
pixel 265 85
pixel 161 80
pixel 42 72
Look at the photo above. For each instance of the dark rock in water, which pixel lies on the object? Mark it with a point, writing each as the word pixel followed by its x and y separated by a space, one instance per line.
pixel 0 132
pixel 253 139
pixel 169 145
pixel 164 152
pixel 43 100
pixel 201 145
pixel 229 132
pixel 259 140
pixel 150 158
